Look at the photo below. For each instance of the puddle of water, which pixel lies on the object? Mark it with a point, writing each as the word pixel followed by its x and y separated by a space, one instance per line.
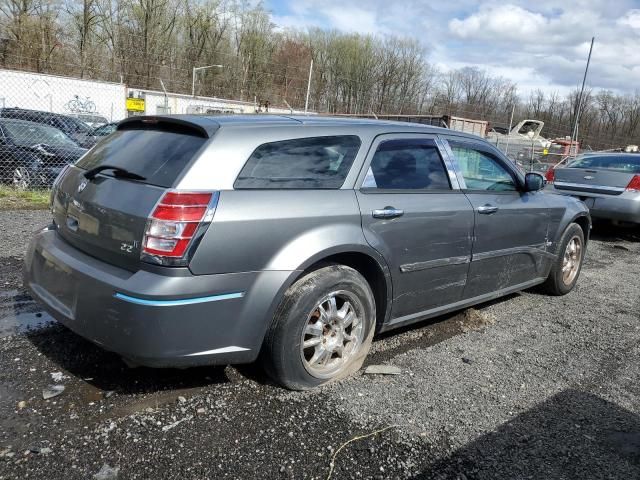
pixel 24 322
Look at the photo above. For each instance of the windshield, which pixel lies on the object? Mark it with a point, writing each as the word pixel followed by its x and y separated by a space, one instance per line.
pixel 27 134
pixel 74 125
pixel 620 163
pixel 105 129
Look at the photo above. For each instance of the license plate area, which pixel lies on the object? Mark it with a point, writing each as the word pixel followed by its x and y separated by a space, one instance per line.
pixel 55 284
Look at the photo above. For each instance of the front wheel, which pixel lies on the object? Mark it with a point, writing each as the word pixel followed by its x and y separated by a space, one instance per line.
pixel 322 330
pixel 566 268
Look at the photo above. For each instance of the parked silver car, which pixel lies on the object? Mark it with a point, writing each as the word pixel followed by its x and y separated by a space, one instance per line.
pixel 190 240
pixel 608 183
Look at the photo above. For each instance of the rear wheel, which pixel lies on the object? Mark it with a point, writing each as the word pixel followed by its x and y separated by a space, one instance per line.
pixel 322 330
pixel 566 269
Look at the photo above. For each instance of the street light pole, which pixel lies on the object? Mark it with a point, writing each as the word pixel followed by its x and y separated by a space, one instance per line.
pixel 193 76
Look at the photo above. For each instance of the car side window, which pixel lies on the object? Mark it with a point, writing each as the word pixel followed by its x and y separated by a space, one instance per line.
pixel 482 170
pixel 300 163
pixel 407 164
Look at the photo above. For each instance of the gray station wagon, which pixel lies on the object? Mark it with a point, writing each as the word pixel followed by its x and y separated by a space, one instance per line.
pixel 187 240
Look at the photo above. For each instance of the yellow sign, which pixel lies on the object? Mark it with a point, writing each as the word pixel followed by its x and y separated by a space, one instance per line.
pixel 545 151
pixel 135 104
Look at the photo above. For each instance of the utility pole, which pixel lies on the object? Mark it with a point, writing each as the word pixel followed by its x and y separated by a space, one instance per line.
pixel 574 132
pixel 306 103
pixel 513 110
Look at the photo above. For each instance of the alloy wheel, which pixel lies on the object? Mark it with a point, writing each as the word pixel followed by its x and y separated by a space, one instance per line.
pixel 572 259
pixel 332 334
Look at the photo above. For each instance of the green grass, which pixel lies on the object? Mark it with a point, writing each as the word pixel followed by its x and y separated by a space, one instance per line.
pixel 13 199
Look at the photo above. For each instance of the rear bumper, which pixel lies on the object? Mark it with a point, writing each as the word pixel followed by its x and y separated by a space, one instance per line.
pixel 166 319
pixel 624 207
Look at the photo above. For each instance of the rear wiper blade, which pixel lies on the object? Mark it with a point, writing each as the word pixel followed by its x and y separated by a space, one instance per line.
pixel 117 171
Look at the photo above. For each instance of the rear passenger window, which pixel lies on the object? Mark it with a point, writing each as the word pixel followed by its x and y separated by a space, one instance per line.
pixel 407 164
pixel 314 162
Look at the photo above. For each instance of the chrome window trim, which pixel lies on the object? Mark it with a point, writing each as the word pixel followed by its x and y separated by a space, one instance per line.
pixel 383 137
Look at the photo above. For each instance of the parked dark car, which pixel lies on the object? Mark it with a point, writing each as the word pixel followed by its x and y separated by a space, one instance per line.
pixel 609 183
pixel 32 155
pixel 75 129
pixel 104 130
pixel 191 240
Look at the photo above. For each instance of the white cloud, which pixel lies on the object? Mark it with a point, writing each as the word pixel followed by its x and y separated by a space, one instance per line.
pixel 631 19
pixel 506 22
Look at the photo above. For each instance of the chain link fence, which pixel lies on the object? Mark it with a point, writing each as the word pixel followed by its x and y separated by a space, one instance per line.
pixel 49 121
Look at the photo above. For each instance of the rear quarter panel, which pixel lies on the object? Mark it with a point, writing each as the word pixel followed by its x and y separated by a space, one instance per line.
pixel 279 230
pixel 563 210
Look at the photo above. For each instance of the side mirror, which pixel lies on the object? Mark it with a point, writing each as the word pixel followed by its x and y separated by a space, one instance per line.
pixel 533 182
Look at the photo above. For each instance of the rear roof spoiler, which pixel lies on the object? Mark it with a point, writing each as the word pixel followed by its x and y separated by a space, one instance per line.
pixel 189 124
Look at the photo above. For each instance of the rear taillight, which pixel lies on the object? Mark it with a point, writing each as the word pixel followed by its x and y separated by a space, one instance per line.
pixel 54 187
pixel 634 184
pixel 550 175
pixel 176 221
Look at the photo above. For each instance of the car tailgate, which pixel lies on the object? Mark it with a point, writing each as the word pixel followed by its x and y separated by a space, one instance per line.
pixel 105 215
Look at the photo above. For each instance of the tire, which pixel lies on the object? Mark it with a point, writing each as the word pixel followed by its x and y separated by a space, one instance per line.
pixel 561 281
pixel 21 178
pixel 308 314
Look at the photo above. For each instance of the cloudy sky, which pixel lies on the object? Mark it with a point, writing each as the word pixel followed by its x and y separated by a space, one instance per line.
pixel 539 44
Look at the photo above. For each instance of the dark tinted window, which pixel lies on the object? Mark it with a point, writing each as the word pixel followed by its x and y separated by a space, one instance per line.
pixel 412 164
pixel 159 156
pixel 481 170
pixel 621 163
pixel 315 162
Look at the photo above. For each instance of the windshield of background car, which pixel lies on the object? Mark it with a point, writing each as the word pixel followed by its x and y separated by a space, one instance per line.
pixel 620 163
pixel 27 134
pixel 301 163
pixel 76 126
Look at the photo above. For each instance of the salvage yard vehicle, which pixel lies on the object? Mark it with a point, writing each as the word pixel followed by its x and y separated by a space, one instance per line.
pixel 609 184
pixel 75 129
pixel 32 155
pixel 194 240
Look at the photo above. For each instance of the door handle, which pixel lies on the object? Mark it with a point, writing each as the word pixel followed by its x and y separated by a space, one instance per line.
pixel 387 212
pixel 487 209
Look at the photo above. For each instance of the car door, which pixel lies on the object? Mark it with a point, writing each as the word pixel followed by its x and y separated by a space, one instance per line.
pixel 415 215
pixel 511 225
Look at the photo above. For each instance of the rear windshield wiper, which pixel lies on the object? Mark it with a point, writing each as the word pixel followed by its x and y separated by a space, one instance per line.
pixel 117 171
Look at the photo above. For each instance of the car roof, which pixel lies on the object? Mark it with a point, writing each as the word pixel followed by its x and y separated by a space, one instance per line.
pixel 26 123
pixel 611 154
pixel 211 123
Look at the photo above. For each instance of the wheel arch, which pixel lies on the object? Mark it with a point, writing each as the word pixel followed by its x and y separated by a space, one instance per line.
pixel 365 260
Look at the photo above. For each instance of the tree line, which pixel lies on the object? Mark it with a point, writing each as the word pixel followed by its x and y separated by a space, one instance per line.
pixel 140 42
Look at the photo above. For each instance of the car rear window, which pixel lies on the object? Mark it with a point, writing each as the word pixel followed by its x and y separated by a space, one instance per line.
pixel 158 155
pixel 301 163
pixel 620 163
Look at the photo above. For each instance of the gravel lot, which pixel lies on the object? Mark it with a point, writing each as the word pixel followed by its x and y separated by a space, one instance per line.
pixel 525 387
